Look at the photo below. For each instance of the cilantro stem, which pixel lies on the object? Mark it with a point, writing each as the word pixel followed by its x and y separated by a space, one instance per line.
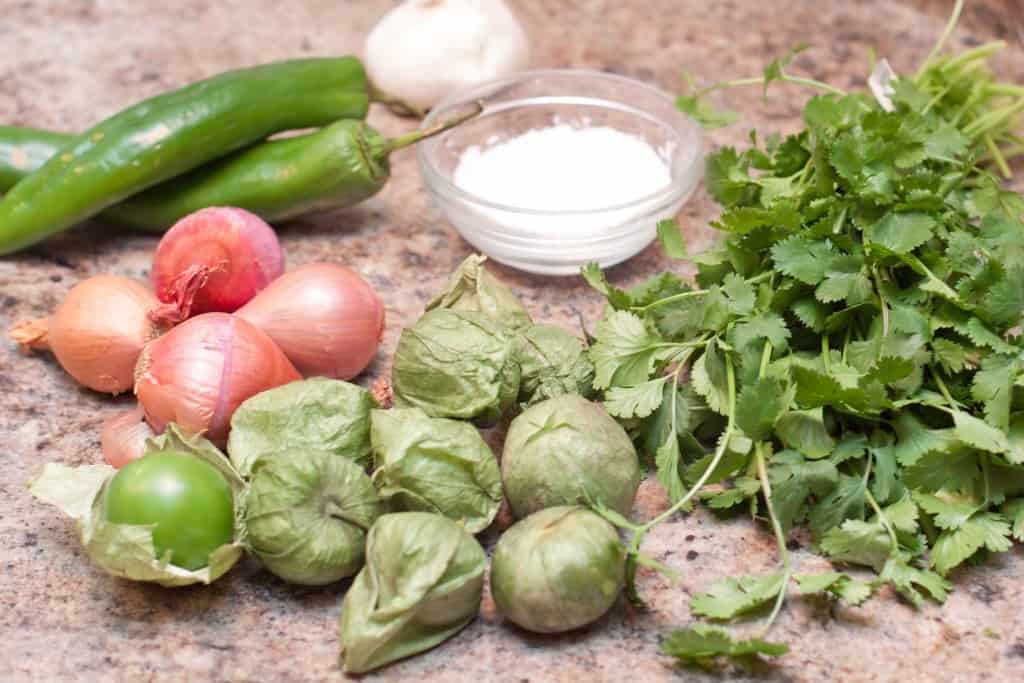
pixel 826 355
pixel 634 545
pixel 979 53
pixel 936 99
pixel 723 444
pixel 867 472
pixel 984 471
pixel 942 388
pixel 766 356
pixel 1005 89
pixel 997 156
pixel 759 80
pixel 943 37
pixel 1007 152
pixel 687 295
pixel 993 120
pixel 882 302
pixel 669 299
pixel 883 519
pixel 780 538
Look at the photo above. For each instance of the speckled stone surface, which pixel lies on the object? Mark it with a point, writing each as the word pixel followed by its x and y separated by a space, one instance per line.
pixel 68 63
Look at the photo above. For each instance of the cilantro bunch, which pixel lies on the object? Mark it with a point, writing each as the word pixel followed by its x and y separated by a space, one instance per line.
pixel 850 360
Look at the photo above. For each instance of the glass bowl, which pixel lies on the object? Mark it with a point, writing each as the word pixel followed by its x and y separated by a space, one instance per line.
pixel 559 242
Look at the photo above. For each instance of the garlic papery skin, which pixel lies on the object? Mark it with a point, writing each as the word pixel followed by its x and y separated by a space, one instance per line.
pixel 423 50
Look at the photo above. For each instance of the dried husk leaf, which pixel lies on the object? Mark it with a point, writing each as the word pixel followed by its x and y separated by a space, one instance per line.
pixel 472 288
pixel 317 413
pixel 553 362
pixel 435 465
pixel 422 583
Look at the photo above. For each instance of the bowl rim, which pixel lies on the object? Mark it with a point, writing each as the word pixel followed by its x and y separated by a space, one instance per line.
pixel 438 182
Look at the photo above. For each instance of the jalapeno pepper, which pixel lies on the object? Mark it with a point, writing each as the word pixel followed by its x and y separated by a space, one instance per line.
pixel 167 135
pixel 337 166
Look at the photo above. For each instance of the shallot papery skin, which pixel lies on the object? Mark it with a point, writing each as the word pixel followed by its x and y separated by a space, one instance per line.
pixel 198 373
pixel 123 437
pixel 326 318
pixel 214 260
pixel 99 330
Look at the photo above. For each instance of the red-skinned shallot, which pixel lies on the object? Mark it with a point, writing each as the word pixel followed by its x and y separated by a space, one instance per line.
pixel 198 373
pixel 326 318
pixel 215 259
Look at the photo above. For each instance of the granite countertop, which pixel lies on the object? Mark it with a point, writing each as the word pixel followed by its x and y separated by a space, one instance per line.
pixel 65 64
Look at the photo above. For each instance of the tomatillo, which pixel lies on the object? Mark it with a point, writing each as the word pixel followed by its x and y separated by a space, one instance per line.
pixel 187 500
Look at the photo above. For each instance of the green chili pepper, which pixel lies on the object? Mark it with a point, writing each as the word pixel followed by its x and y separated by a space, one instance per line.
pixel 170 134
pixel 334 167
pixel 23 150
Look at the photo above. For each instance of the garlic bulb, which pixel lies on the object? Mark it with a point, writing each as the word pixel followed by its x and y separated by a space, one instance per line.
pixel 423 50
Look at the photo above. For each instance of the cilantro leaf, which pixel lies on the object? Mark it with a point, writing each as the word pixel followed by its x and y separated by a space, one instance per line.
pixel 708 378
pixel 993 386
pixel 803 259
pixel 910 581
pixel 743 488
pixel 624 353
pixel 666 460
pixel 672 239
pixel 730 463
pixel 858 542
pixel 636 401
pixel 793 481
pixel 811 313
pixel 775 69
pixel 914 439
pixel 768 326
pixel 760 405
pixel 742 297
pixel 731 597
pixel 1013 510
pixel 727 178
pixel 983 530
pixel 804 431
pixel 837 585
pixel 704 112
pixel 950 355
pixel 1004 302
pixel 846 501
pixel 955 469
pixel 595 277
pixel 901 233
pixel 978 433
pixel 702 644
pixel 948 513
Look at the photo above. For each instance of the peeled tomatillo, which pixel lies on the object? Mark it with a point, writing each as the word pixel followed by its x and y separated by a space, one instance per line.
pixel 188 501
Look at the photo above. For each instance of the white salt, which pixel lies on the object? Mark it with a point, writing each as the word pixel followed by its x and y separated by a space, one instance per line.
pixel 563 168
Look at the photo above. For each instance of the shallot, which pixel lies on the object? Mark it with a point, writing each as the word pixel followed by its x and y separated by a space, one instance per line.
pixel 198 373
pixel 97 332
pixel 123 437
pixel 214 260
pixel 326 318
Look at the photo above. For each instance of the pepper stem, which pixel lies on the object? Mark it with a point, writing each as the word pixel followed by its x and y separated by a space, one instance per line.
pixel 398 106
pixel 422 134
